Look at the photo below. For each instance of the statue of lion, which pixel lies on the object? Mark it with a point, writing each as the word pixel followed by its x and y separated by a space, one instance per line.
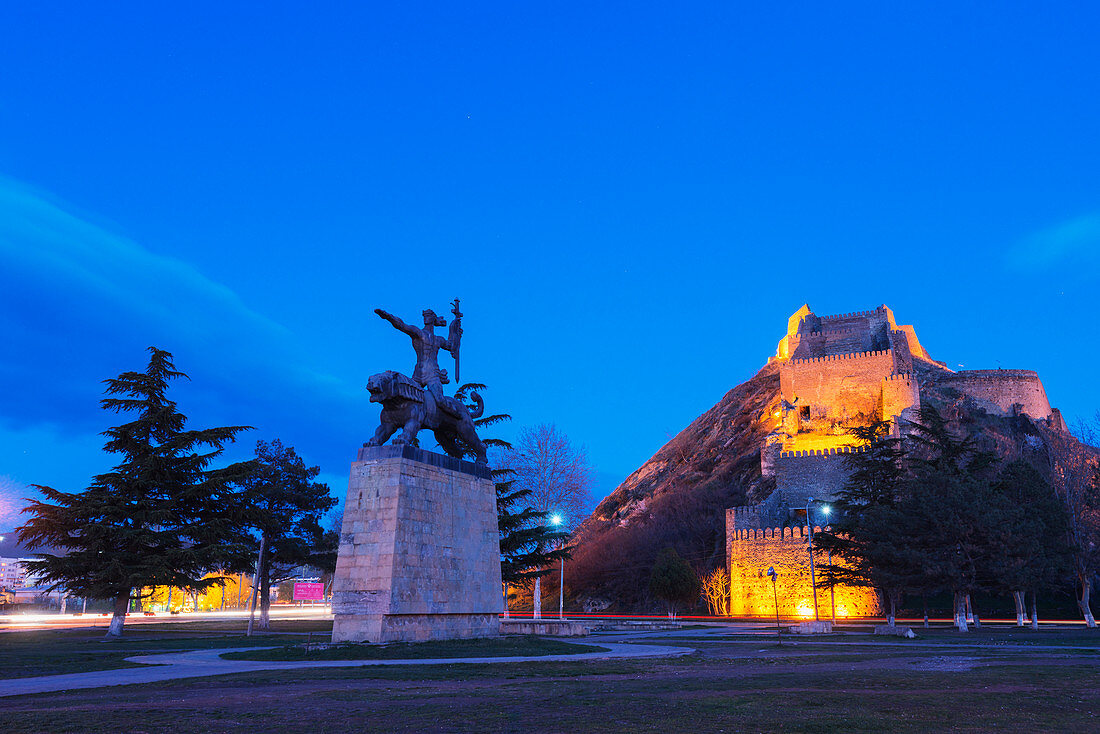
pixel 404 407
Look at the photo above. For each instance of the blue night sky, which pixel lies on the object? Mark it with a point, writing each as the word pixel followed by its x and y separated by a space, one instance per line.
pixel 629 200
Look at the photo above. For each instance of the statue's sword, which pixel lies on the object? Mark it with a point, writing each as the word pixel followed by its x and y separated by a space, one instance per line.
pixel 458 339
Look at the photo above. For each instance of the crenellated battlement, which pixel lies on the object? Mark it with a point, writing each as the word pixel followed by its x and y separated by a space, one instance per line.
pixel 854 314
pixel 903 376
pixel 793 533
pixel 842 331
pixel 745 511
pixel 843 357
pixel 833 451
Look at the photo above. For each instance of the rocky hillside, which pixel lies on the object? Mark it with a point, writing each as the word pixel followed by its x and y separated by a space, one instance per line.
pixel 678 498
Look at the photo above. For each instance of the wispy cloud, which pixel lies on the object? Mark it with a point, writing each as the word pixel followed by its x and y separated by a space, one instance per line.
pixel 80 303
pixel 1074 241
pixel 11 504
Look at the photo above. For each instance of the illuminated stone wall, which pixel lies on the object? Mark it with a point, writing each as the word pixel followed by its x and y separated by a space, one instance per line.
pixel 750 553
pixel 900 393
pixel 997 391
pixel 840 387
pixel 816 473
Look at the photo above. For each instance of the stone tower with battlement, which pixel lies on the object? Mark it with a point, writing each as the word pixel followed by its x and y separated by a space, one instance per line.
pixel 834 372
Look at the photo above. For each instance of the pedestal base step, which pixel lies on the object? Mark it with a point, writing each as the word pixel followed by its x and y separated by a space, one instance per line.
pixel 552 627
pixel 380 628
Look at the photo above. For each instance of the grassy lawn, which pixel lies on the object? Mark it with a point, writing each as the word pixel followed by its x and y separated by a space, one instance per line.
pixel 695 694
pixel 502 647
pixel 987 636
pixel 52 652
pixel 816 685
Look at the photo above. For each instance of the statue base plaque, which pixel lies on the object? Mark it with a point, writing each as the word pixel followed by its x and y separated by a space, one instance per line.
pixel 419 551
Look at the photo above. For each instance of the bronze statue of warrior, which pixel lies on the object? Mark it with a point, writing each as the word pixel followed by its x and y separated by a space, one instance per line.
pixel 427 344
pixel 428 375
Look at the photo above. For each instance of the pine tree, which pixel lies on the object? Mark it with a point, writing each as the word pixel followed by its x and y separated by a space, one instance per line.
pixel 869 537
pixel 526 541
pixel 162 517
pixel 947 509
pixel 285 505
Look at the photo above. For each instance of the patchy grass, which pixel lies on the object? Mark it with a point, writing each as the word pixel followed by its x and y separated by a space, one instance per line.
pixel 996 636
pixel 52 652
pixel 529 645
pixel 748 683
pixel 639 696
pixel 237 626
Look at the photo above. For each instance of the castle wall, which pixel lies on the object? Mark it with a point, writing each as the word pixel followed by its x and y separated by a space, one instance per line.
pixel 801 321
pixel 750 553
pixel 847 341
pixel 745 517
pixel 877 317
pixel 903 356
pixel 899 393
pixel 997 391
pixel 800 475
pixel 833 341
pixel 839 387
pixel 914 344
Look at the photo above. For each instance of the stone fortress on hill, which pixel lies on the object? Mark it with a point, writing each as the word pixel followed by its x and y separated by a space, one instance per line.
pixel 838 371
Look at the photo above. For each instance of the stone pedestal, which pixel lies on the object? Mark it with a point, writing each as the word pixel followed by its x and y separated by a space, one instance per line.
pixel 419 550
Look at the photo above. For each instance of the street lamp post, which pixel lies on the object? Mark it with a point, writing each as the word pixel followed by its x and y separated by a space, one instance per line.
pixel 810 529
pixel 556 520
pixel 832 589
pixel 775 599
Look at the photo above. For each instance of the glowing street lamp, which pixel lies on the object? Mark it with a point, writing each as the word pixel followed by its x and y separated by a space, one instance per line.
pixel 556 520
pixel 775 599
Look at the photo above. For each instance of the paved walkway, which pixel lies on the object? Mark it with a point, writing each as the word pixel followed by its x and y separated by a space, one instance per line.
pixel 202 663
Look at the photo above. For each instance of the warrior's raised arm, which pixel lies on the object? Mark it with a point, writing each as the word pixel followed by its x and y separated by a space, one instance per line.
pixel 397 323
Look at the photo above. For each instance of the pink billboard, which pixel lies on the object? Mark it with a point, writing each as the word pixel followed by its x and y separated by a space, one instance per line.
pixel 308 591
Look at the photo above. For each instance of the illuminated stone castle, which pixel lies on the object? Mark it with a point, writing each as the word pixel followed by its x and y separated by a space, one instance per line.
pixel 834 372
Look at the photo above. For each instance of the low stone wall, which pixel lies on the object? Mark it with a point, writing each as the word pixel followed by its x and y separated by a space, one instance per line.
pixel 551 627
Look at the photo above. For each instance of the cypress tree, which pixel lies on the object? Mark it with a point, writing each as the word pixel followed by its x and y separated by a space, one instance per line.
pixel 161 517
